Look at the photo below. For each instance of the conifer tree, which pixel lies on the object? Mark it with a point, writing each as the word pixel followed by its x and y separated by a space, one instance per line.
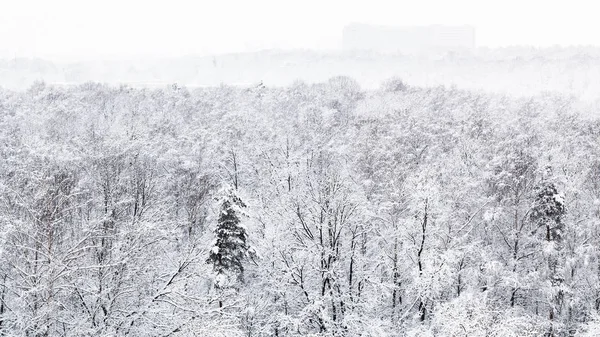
pixel 548 210
pixel 230 247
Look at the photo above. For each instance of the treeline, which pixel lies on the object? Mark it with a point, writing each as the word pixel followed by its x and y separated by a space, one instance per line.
pixel 321 209
pixel 515 70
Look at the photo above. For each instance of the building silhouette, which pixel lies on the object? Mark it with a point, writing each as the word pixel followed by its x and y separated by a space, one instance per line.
pixel 408 39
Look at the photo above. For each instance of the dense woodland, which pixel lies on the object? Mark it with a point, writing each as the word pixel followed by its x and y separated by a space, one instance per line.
pixel 306 210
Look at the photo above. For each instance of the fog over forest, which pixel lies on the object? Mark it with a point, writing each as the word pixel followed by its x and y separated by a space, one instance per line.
pixel 517 71
pixel 362 191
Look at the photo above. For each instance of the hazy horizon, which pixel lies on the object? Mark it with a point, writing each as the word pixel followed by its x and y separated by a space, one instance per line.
pixel 67 29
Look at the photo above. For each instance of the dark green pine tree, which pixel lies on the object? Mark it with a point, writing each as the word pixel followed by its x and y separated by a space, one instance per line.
pixel 231 248
pixel 548 211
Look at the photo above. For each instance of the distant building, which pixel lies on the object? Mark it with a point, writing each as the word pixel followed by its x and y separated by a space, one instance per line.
pixel 408 39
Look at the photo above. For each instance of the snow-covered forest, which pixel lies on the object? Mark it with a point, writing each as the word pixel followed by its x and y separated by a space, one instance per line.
pixel 320 209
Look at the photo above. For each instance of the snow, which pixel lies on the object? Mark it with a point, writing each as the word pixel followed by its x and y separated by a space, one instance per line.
pixel 559 198
pixel 570 70
pixel 399 207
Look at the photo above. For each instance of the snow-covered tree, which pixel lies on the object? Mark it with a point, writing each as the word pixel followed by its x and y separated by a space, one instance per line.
pixel 230 249
pixel 548 212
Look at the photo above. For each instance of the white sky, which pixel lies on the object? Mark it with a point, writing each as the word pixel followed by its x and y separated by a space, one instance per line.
pixel 124 28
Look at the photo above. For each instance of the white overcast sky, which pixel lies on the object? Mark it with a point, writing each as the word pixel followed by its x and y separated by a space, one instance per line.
pixel 118 28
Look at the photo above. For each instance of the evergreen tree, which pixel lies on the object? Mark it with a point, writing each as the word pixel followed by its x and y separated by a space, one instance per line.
pixel 230 248
pixel 548 210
